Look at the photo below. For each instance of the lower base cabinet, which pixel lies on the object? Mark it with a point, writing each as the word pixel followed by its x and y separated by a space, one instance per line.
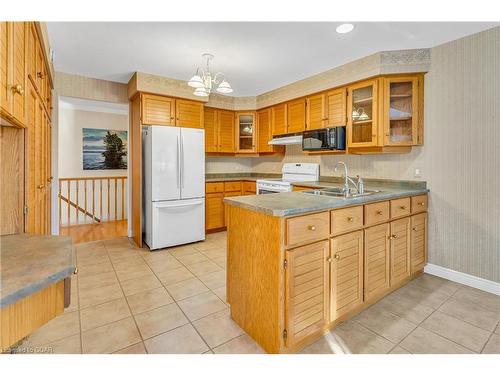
pixel 418 242
pixel 346 273
pixel 307 291
pixel 400 250
pixel 214 211
pixel 377 260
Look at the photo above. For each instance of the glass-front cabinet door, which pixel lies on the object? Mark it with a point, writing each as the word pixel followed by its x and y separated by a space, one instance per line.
pixel 363 114
pixel 400 111
pixel 246 132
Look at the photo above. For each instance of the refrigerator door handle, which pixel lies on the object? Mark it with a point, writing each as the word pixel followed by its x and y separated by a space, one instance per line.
pixel 185 204
pixel 178 164
pixel 182 160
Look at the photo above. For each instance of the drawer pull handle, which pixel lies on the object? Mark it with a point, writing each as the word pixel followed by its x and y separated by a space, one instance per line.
pixel 337 256
pixel 391 237
pixel 421 203
pixel 402 207
pixel 329 259
pixel 311 227
pixel 379 212
pixel 350 219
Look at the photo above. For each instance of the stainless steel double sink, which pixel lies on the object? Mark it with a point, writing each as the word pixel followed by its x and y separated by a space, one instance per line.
pixel 340 192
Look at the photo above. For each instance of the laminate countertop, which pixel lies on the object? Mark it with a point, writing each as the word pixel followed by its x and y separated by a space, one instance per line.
pixel 295 203
pixel 226 177
pixel 29 263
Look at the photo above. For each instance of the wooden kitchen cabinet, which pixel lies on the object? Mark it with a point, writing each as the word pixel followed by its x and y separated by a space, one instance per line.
pixel 315 112
pixel 418 242
pixel 306 291
pixel 249 187
pixel 336 107
pixel 296 116
pixel 362 109
pixel 157 110
pixel 13 70
pixel 377 260
pixel 279 119
pixel 264 131
pixel 214 211
pixel 211 130
pixel 400 250
pixel 226 131
pixel 188 114
pixel 346 273
pixel 163 110
pixel 400 111
pixel 246 132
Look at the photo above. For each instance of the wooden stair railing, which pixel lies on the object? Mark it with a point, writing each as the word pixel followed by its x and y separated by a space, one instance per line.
pixel 82 210
pixel 103 199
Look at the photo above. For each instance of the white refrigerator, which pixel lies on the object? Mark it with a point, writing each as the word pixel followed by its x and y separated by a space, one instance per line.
pixel 173 185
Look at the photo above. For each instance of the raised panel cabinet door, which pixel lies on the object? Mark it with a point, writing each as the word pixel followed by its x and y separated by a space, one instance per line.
pixel 336 103
pixel 31 162
pixel 315 113
pixel 400 250
pixel 211 130
pixel 362 114
pixel 306 291
pixel 32 52
pixel 346 272
pixel 296 116
pixel 264 131
pixel 377 260
pixel 5 93
pixel 39 171
pixel 18 83
pixel 418 242
pixel 157 110
pixel 214 211
pixel 279 119
pixel 400 111
pixel 188 114
pixel 226 132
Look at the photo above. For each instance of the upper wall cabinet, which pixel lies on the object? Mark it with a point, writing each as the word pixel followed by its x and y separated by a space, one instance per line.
pixel 219 130
pixel 211 129
pixel 246 132
pixel 326 109
pixel 13 36
pixel 296 116
pixel 362 107
pixel 265 134
pixel 401 111
pixel 279 119
pixel 315 112
pixel 162 110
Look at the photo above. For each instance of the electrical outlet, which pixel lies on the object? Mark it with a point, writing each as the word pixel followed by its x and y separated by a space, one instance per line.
pixel 418 172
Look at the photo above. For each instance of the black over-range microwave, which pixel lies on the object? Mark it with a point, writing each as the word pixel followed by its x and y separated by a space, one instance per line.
pixel 324 139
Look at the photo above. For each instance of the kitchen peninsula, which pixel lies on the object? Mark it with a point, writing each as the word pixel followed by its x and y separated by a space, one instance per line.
pixel 299 263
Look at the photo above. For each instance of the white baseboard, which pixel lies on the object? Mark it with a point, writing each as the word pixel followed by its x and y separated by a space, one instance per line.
pixel 463 278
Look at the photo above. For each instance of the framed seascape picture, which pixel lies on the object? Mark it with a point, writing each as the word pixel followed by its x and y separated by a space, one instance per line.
pixel 104 149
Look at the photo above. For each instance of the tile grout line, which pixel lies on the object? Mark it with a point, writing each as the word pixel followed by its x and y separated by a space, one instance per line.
pixel 128 305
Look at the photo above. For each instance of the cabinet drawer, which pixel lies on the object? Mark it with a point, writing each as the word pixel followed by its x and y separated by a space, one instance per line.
pixel 376 213
pixel 346 220
pixel 400 207
pixel 214 187
pixel 232 186
pixel 307 228
pixel 419 203
pixel 249 187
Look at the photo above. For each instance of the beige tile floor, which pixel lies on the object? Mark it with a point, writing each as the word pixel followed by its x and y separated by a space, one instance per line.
pixel 128 300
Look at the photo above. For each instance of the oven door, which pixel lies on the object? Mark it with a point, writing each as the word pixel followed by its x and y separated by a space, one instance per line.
pixel 266 191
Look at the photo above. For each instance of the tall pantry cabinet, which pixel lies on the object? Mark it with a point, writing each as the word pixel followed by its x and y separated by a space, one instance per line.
pixel 25 131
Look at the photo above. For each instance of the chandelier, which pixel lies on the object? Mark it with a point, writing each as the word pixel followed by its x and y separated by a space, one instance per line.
pixel 204 82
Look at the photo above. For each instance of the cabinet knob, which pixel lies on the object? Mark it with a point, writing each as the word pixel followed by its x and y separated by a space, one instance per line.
pixel 379 212
pixel 75 271
pixel 40 187
pixel 393 236
pixel 350 219
pixel 311 227
pixel 337 256
pixel 40 75
pixel 414 229
pixel 50 179
pixel 329 259
pixel 172 118
pixel 402 207
pixel 421 203
pixel 18 89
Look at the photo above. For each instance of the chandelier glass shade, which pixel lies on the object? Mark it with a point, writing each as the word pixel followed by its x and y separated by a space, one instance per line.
pixel 204 82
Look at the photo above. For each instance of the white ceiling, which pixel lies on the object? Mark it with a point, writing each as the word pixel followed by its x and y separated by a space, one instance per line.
pixel 255 56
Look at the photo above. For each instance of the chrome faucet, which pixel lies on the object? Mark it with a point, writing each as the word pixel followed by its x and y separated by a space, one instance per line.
pixel 359 185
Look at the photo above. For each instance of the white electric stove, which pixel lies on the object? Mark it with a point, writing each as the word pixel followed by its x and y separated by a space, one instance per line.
pixel 291 172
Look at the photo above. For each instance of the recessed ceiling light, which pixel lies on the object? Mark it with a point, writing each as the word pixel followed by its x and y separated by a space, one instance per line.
pixel 345 28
